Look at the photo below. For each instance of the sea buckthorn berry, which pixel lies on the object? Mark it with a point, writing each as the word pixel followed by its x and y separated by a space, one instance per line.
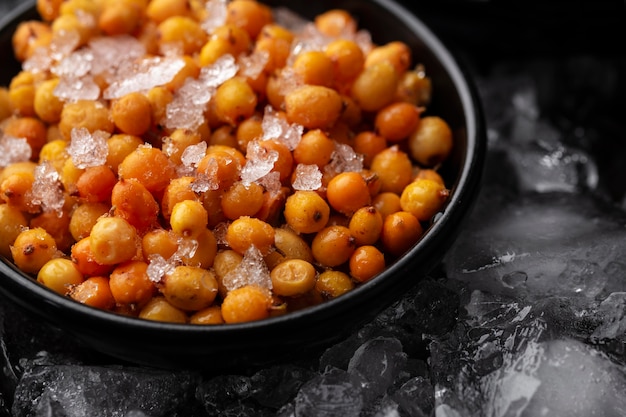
pixel 12 221
pixel 225 262
pixel 47 105
pixel 293 277
pixel 179 189
pixel 183 32
pixel 119 18
pixel 400 231
pixel 315 148
pixel 6 107
pixel 235 101
pixel 394 169
pixel 273 206
pixel 82 256
pixel 150 166
pixel 429 174
pixel 248 130
pixel 248 303
pixel 26 35
pixel 189 218
pixel 29 128
pixel 179 140
pixel 22 94
pixel 347 58
pixel 396 52
pixel 313 106
pixel 242 200
pixel 27 167
pixel 159 10
pixel 335 23
pixel 207 316
pixel 306 212
pixel 212 202
pixel 113 240
pixel 250 15
pixel 423 198
pixel 189 288
pixel 54 151
pixel 414 87
pixel 366 262
pixel 331 284
pixel 369 144
pixel 96 183
pixel 94 292
pixel 57 224
pixel 191 69
pixel 225 135
pixel 431 143
pixel 225 40
pixel 130 283
pixel 248 231
pixel 276 41
pixel 373 182
pixel 15 191
pixel 284 164
pixel 48 9
pixel 220 166
pixel 234 152
pixel 132 114
pixel 84 216
pixel 333 246
pixel 119 146
pixel 159 98
pixel 59 274
pixel 314 68
pixel 132 201
pixel 397 121
pixel 289 245
pixel 347 192
pixel 204 255
pixel 32 248
pixel 159 309
pixel 91 115
pixel 376 86
pixel 160 242
pixel 366 225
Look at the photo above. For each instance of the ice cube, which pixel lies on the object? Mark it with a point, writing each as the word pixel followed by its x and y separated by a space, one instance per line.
pixel 307 178
pixel 13 150
pixel 216 15
pixel 559 243
pixel 77 391
pixel 47 189
pixel 276 127
pixel 88 149
pixel 335 393
pixel 277 385
pixel 144 75
pixel 379 361
pixel 259 162
pixel 251 271
pixel 252 65
pixel 344 159
pixel 75 89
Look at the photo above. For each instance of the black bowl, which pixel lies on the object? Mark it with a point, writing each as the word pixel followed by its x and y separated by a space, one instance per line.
pixel 307 331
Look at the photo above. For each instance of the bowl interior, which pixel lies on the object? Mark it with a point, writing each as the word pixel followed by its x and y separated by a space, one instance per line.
pixel 302 332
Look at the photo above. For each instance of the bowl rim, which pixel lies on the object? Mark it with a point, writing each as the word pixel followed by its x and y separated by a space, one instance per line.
pixel 23 288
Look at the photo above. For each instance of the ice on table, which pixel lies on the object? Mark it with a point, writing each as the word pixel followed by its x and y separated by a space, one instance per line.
pixel 525 317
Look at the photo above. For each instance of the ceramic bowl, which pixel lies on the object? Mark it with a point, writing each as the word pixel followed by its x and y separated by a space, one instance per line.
pixel 307 331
